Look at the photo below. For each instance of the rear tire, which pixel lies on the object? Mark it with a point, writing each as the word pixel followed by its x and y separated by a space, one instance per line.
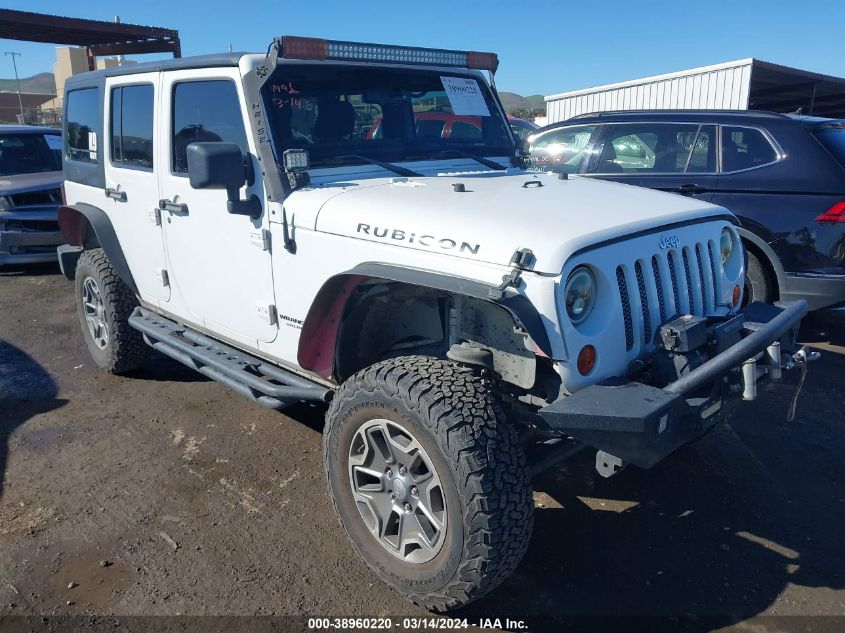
pixel 428 410
pixel 104 304
pixel 759 285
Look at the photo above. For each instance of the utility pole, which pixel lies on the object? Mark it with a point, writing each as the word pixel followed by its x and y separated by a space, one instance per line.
pixel 17 79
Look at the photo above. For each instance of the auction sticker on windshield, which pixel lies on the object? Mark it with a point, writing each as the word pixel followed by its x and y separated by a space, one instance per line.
pixel 465 96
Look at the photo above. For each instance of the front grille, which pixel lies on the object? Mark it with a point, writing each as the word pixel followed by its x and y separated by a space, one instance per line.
pixel 626 308
pixel 31 198
pixel 643 304
pixel 662 291
pixel 31 225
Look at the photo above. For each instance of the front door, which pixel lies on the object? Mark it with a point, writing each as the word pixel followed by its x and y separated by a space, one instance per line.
pixel 131 185
pixel 219 263
pixel 673 157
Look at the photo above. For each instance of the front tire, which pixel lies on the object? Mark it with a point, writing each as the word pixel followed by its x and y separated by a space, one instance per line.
pixel 104 304
pixel 759 285
pixel 428 479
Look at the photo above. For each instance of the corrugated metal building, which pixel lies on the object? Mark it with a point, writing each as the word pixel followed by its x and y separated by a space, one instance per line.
pixel 739 85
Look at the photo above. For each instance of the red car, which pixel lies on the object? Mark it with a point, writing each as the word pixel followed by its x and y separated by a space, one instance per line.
pixel 433 124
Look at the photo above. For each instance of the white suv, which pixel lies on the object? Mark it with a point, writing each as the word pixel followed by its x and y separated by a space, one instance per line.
pixel 351 223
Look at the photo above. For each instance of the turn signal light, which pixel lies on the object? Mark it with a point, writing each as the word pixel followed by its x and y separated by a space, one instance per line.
pixel 483 61
pixel 836 213
pixel 305 47
pixel 586 359
pixel 737 295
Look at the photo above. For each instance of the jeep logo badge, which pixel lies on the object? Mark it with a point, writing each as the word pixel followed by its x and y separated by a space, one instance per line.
pixel 670 241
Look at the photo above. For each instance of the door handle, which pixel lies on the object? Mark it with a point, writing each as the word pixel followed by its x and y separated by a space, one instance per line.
pixel 114 194
pixel 691 188
pixel 178 208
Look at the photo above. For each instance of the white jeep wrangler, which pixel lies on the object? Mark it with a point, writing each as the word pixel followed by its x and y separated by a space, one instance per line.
pixel 351 224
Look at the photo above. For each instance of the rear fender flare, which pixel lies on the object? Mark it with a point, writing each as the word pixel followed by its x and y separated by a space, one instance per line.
pixel 318 341
pixel 86 226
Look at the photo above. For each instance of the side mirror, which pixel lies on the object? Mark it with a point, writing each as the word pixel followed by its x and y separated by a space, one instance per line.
pixel 220 165
pixel 216 165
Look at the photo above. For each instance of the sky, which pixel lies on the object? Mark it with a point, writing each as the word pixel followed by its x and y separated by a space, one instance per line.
pixel 544 47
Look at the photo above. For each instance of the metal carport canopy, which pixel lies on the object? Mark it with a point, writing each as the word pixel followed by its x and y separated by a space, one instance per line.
pixel 784 89
pixel 99 37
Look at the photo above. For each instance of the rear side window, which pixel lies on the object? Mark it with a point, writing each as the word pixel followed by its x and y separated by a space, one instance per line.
pixel 83 111
pixel 562 149
pixel 132 126
pixel 659 148
pixel 744 148
pixel 205 111
pixel 833 139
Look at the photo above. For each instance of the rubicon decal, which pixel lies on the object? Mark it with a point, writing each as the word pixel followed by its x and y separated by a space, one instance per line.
pixel 422 239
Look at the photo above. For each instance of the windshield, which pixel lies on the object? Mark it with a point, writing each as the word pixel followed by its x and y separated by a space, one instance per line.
pixel 381 113
pixel 833 138
pixel 30 153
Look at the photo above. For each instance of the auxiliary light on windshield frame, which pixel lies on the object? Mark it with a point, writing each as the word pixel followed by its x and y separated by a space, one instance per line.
pixel 294 47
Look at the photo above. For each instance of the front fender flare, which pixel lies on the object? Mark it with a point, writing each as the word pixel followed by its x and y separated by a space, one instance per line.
pixel 320 328
pixel 74 222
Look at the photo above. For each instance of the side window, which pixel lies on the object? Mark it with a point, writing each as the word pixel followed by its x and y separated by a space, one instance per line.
pixel 743 148
pixel 653 147
pixel 464 129
pixel 83 112
pixel 205 111
pixel 703 157
pixel 132 126
pixel 562 149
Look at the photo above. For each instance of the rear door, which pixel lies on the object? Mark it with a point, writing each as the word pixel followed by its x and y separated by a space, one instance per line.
pixel 219 263
pixel 673 157
pixel 131 185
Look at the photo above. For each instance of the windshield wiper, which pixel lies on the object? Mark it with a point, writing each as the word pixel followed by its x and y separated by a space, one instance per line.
pixel 483 161
pixel 396 169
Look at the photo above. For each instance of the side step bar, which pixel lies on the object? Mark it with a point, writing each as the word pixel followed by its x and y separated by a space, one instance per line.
pixel 252 377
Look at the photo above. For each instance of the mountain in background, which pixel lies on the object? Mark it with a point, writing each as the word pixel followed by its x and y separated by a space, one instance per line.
pixel 516 105
pixel 42 83
pixel 523 107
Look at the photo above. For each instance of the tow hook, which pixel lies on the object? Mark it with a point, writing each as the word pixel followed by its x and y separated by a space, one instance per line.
pixel 608 465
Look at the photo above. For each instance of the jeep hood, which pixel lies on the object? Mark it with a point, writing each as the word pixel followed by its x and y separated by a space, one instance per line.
pixel 22 183
pixel 495 215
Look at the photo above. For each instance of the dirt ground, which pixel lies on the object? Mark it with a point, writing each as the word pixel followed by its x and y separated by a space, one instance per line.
pixel 164 493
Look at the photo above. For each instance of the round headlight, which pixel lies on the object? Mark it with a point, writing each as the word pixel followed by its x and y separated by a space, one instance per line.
pixel 726 244
pixel 580 294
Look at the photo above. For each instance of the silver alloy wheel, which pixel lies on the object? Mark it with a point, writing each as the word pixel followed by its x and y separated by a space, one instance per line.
pixel 95 312
pixel 398 492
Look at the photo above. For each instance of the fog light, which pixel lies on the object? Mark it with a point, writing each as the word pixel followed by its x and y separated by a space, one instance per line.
pixel 586 359
pixel 296 160
pixel 737 295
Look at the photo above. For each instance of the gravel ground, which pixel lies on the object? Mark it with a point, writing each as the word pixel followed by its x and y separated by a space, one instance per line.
pixel 164 493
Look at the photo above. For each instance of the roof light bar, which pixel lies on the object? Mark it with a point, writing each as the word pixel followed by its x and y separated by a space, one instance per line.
pixel 292 47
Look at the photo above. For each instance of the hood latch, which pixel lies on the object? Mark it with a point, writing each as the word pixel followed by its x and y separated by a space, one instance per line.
pixel 522 259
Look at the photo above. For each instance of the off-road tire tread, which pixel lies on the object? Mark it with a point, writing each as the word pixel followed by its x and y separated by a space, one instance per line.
pixel 765 284
pixel 465 415
pixel 127 347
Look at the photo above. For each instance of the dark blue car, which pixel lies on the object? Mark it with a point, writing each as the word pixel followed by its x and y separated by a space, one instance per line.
pixel 782 175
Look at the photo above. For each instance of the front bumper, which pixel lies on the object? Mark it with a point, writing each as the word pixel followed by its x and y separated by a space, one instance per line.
pixel 641 425
pixel 28 237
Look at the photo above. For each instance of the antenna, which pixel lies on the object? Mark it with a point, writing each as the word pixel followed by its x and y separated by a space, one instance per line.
pixel 17 79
